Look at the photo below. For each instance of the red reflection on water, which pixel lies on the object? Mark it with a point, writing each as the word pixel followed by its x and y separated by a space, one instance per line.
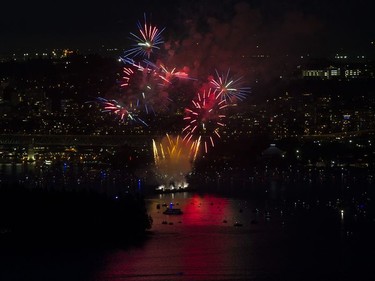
pixel 207 254
pixel 206 250
pixel 197 245
pixel 206 210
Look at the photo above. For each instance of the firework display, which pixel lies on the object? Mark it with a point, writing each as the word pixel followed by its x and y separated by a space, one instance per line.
pixel 149 85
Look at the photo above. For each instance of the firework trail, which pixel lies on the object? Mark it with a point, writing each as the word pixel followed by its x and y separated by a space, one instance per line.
pixel 148 39
pixel 229 88
pixel 149 85
pixel 119 110
pixel 128 73
pixel 144 86
pixel 173 160
pixel 168 75
pixel 205 118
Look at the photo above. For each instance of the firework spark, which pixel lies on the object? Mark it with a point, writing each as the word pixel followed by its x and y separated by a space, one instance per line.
pixel 119 110
pixel 148 85
pixel 168 75
pixel 173 160
pixel 229 88
pixel 205 118
pixel 148 39
pixel 144 86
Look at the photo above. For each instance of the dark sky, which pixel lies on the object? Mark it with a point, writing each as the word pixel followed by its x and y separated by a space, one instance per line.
pixel 289 26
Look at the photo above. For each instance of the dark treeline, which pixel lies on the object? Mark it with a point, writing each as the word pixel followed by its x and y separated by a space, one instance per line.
pixel 50 217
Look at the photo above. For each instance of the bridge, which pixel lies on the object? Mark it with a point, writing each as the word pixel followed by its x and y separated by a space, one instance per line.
pixel 339 135
pixel 77 140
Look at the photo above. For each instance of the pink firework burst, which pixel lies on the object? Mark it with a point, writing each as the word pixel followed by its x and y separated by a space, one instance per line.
pixel 205 118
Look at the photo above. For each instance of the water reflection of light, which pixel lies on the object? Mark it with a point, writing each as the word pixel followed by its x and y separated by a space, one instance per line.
pixel 206 210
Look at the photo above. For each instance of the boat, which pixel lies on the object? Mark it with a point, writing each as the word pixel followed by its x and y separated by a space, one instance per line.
pixel 171 211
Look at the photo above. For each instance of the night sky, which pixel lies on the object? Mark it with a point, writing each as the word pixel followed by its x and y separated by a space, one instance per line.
pixel 318 27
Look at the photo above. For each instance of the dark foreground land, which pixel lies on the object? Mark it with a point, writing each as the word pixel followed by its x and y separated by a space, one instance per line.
pixel 65 235
pixel 50 218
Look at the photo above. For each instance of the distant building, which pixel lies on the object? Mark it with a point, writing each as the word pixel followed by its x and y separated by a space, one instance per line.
pixel 325 73
pixel 273 152
pixel 338 71
pixel 272 157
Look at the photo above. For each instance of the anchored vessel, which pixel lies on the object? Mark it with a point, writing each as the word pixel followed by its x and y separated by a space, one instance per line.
pixel 170 211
